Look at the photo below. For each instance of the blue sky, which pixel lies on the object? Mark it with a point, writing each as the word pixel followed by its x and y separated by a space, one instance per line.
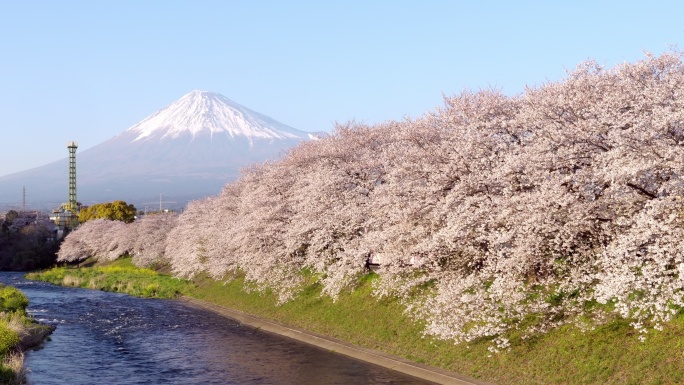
pixel 88 70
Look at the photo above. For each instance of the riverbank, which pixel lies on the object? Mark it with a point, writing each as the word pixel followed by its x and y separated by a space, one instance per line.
pixel 376 357
pixel 18 333
pixel 607 354
pixel 349 320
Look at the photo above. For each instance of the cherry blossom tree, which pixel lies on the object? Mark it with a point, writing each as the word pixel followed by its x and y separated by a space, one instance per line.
pixel 494 207
pixel 101 239
pixel 150 234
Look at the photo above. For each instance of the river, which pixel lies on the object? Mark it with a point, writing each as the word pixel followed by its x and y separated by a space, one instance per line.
pixel 111 338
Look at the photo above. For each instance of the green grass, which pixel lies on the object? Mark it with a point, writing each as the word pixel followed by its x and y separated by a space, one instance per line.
pixel 18 331
pixel 118 276
pixel 12 301
pixel 609 354
pixel 356 317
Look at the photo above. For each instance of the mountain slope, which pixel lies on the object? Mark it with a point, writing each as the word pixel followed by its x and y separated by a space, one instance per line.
pixel 201 112
pixel 186 150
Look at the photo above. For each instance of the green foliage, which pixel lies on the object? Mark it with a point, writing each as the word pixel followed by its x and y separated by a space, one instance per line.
pixel 17 331
pixel 12 300
pixel 7 375
pixel 54 275
pixel 27 241
pixel 118 276
pixel 8 338
pixel 28 253
pixel 116 211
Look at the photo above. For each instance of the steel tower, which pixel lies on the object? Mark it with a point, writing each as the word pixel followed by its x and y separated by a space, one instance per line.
pixel 72 205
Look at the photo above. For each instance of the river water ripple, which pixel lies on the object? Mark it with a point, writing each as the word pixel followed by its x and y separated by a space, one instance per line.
pixel 110 338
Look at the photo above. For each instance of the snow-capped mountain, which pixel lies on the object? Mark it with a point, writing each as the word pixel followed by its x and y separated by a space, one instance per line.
pixel 186 150
pixel 202 112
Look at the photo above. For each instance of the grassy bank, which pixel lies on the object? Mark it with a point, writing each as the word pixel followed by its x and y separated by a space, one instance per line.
pixel 117 276
pixel 18 332
pixel 610 354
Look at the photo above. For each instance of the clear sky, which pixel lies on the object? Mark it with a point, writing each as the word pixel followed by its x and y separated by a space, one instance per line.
pixel 88 70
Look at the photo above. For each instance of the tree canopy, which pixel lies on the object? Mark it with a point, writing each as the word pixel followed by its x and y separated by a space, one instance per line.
pixel 115 211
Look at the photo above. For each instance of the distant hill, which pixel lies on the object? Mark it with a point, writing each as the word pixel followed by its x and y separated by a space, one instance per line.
pixel 187 150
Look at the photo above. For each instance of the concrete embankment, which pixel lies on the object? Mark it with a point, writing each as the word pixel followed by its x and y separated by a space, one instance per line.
pixel 399 364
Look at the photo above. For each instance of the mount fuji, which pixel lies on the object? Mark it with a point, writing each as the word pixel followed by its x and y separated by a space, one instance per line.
pixel 188 149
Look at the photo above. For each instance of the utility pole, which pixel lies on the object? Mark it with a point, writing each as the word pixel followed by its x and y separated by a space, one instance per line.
pixel 23 198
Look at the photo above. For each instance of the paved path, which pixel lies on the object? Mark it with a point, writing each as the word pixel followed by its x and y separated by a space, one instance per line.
pixel 399 364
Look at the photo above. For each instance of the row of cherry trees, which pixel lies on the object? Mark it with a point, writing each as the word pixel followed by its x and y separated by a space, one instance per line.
pixel 107 240
pixel 494 207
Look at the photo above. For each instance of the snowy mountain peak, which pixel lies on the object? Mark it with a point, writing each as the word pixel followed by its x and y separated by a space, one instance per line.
pixel 200 112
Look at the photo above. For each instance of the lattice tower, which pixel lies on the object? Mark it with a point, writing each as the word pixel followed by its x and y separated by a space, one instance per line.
pixel 73 206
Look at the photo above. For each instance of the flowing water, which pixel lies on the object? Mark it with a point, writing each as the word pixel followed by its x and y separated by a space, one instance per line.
pixel 110 338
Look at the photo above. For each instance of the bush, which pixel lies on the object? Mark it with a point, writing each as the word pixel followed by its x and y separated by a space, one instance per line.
pixel 12 299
